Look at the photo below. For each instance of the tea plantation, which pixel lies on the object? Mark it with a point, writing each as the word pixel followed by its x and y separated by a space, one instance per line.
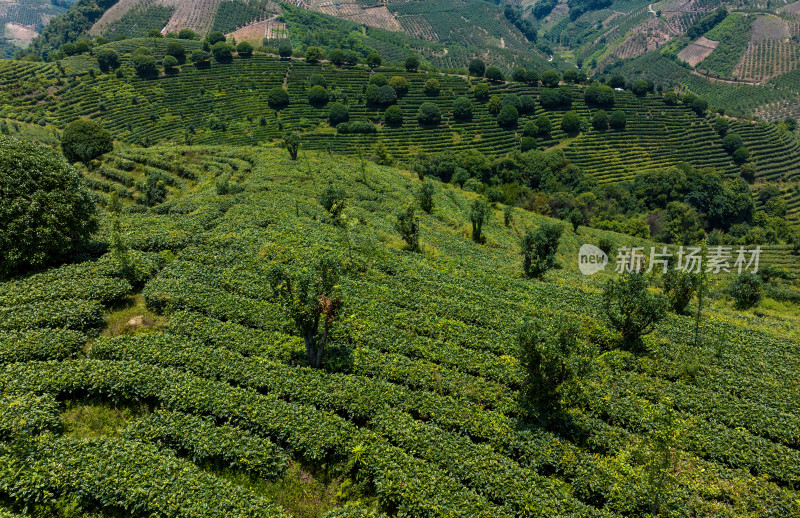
pixel 201 399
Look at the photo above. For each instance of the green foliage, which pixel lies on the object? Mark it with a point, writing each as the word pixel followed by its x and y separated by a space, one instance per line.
pixel 494 74
pixel 400 84
pixel 107 60
pixel 313 54
pixel 386 96
pixel 244 49
pixel 408 226
pixel 599 95
pixel 374 60
pixel 746 290
pixel 477 68
pixel 317 95
pixel 640 87
pixel 618 120
pixel 495 105
pixel 291 141
pixel 544 124
pixel 571 122
pixel 429 114
pixel 156 189
pixel 222 52
pixel 46 211
pixel 539 249
pixel 200 57
pixel 551 78
pixel 411 63
pixel 555 359
pixel 308 300
pixel 187 34
pixel 285 50
pixel 393 115
pixel 679 287
pixel 84 140
pixel 338 113
pixel 508 117
pixel 426 196
pixel 721 126
pixel 555 98
pixel 144 64
pixel 334 200
pixel 220 447
pixel 601 120
pixel 481 91
pixel 478 215
pixel 215 37
pixel 169 62
pixel 432 87
pixel 278 98
pixel 462 109
pixel 630 308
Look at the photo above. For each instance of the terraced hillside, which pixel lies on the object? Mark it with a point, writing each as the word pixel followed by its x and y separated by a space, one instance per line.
pixel 416 410
pixel 228 103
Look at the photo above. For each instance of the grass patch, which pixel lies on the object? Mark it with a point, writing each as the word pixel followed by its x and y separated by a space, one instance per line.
pixel 99 419
pixel 304 492
pixel 132 317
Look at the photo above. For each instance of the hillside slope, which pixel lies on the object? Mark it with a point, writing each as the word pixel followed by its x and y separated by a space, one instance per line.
pixel 418 403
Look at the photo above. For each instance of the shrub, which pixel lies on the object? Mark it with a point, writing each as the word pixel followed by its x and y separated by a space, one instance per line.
pixel 244 49
pixel 599 95
pixel 412 63
pixel 539 249
pixel 571 122
pixel 530 129
pixel 477 68
pixel 576 219
pixel 494 74
pixel 699 106
pixel 508 117
pixel 544 124
pixel 618 120
pixel 553 358
pixel 630 308
pixel 639 87
pixel 429 114
pixel 481 91
pixel 386 96
pixel 107 60
pixel 393 115
pixel 187 34
pixel 740 155
pixel 478 215
pixel 144 65
pixel 313 54
pixel 722 125
pixel 338 113
pixel 200 57
pixel 221 52
pixel 518 75
pixel 426 196
pixel 532 76
pixel 600 120
pixel 462 109
pixel 84 140
pixel 731 142
pixel 45 209
pixel 285 50
pixel 360 127
pixel 378 80
pixel 526 104
pixel 317 95
pixel 670 98
pixel 336 56
pixel 616 81
pixel 552 99
pixel 432 87
pixel 551 78
pixel 746 290
pixel 371 94
pixel 400 84
pixel 374 60
pixel 333 199
pixel 278 98
pixel 175 49
pixel 170 62
pixel 215 37
pixel 291 141
pixel 408 226
pixel 495 105
pixel 679 287
pixel 512 100
pixel 309 301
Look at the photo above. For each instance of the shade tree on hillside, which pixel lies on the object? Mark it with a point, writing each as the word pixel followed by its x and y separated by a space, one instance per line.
pixel 408 227
pixel 481 91
pixel 680 287
pixel 599 95
pixel 508 117
pixel 551 78
pixel 477 68
pixel 338 113
pixel 222 52
pixel 84 140
pixel 426 196
pixel 555 98
pixel 411 63
pixel 170 64
pixel 313 54
pixel 630 308
pixel 494 74
pixel 309 301
pixel 400 85
pixel 378 79
pixel 618 120
pixel 600 120
pixel 393 115
pixel 291 141
pixel 538 248
pixel 46 211
pixel 746 289
pixel 144 64
pixel 285 50
pixel 432 87
pixel 317 95
pixel 571 122
pixel 278 98
pixel 374 60
pixel 200 58
pixel 429 114
pixel 107 60
pixel 244 49
pixel 462 109
pixel 478 215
